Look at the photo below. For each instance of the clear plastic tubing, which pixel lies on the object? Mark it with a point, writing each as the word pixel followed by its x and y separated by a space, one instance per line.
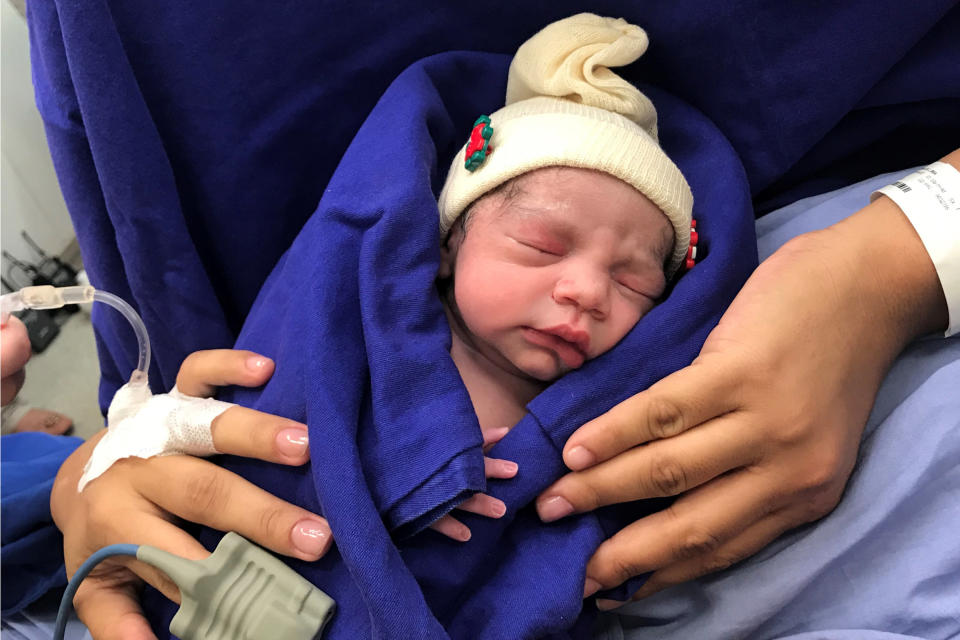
pixel 47 297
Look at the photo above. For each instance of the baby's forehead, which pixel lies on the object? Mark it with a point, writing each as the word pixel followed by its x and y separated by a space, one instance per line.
pixel 515 202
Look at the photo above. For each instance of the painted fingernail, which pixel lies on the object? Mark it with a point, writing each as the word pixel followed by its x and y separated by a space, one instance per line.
pixel 257 363
pixel 311 537
pixel 553 508
pixel 579 458
pixel 607 605
pixel 293 442
pixel 590 587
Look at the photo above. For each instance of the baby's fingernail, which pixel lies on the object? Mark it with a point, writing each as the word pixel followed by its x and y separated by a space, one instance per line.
pixel 590 587
pixel 311 537
pixel 509 467
pixel 257 363
pixel 607 605
pixel 579 458
pixel 293 442
pixel 462 533
pixel 553 508
pixel 498 509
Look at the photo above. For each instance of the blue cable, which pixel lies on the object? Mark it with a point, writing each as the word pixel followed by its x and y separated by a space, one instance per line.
pixel 66 603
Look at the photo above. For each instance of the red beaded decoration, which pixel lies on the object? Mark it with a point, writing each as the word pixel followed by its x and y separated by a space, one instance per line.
pixel 692 250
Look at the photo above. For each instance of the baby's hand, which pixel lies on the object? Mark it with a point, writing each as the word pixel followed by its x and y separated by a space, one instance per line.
pixel 481 504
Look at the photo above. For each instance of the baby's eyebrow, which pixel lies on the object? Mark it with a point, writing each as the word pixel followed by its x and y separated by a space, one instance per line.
pixel 665 246
pixel 647 259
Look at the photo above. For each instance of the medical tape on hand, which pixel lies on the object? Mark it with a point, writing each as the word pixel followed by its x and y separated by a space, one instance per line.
pixel 930 198
pixel 142 425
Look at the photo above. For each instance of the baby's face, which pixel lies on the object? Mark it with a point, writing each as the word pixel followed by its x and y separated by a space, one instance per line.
pixel 555 269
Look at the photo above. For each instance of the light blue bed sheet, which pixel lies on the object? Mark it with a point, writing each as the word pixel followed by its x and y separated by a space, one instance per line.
pixel 884 565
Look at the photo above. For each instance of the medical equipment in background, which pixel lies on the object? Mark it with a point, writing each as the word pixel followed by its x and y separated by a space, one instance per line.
pixel 240 591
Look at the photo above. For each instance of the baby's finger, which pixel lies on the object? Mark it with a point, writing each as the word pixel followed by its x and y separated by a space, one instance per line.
pixel 493 436
pixel 203 371
pixel 199 491
pixel 252 434
pixel 501 469
pixel 484 505
pixel 452 528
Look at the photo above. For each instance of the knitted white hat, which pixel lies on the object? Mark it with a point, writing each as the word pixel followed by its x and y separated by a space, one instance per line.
pixel 565 107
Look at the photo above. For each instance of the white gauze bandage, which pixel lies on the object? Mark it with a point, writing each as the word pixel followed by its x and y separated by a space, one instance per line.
pixel 142 425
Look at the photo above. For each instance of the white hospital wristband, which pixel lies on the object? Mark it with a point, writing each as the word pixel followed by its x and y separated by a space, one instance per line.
pixel 930 198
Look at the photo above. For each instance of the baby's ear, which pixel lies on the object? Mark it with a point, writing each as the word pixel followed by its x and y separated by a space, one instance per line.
pixel 448 250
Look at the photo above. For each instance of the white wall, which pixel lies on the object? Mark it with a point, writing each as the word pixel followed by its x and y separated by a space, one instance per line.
pixel 30 197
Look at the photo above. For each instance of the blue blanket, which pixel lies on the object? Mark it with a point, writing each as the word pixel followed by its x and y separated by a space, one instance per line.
pixel 361 343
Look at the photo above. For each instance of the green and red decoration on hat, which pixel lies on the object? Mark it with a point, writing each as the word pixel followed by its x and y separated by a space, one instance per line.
pixel 479 145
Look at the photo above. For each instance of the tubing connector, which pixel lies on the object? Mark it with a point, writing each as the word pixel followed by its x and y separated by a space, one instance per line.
pixel 49 297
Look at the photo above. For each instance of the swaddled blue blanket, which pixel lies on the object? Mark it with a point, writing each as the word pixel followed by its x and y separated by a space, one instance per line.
pixel 361 343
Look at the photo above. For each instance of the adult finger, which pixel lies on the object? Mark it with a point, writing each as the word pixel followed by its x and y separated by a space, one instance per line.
pixel 659 469
pixel 111 609
pixel 680 401
pixel 11 386
pixel 248 433
pixel 142 528
pixel 212 496
pixel 15 344
pixel 452 528
pixel 203 371
pixel 697 524
pixel 740 547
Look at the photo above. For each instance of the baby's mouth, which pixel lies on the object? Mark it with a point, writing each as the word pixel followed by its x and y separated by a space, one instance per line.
pixel 570 345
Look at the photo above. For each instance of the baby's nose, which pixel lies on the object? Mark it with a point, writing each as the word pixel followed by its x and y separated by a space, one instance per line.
pixel 587 290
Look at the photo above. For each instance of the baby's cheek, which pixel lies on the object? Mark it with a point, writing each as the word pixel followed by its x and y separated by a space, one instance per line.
pixel 622 320
pixel 482 301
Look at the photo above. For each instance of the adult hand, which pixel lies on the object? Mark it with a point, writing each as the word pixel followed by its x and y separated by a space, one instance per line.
pixel 15 347
pixel 139 501
pixel 761 432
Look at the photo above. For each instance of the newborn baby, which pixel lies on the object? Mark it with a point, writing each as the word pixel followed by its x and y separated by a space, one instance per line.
pixel 562 220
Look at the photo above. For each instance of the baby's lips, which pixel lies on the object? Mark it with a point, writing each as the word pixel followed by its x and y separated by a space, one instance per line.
pixel 571 356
